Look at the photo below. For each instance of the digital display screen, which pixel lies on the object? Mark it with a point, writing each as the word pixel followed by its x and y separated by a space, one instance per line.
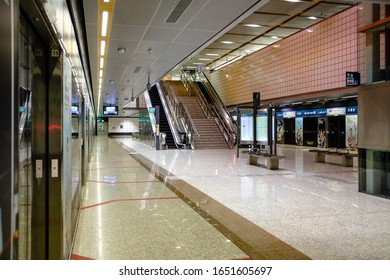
pixel 110 110
pixel 75 110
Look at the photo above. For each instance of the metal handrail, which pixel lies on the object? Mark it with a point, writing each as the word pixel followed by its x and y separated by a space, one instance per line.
pixel 172 121
pixel 221 116
pixel 218 102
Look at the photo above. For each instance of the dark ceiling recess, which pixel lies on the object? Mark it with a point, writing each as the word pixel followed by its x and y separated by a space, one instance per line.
pixel 180 8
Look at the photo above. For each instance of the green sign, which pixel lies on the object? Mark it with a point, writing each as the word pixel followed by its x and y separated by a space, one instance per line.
pixel 152 110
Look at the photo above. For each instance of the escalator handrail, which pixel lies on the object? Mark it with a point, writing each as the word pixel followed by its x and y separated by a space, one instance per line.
pixel 170 118
pixel 222 108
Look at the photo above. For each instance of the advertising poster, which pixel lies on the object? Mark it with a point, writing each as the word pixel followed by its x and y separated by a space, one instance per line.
pixel 299 131
pixel 321 135
pixel 351 131
pixel 280 131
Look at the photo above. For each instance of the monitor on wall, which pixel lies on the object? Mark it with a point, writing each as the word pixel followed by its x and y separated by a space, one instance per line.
pixel 75 110
pixel 110 110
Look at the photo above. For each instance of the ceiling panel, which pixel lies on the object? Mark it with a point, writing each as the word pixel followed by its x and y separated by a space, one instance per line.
pixel 285 7
pixel 193 37
pixel 265 19
pixel 134 12
pixel 265 40
pixel 283 32
pixel 161 34
pixel 236 38
pixel 325 10
pixel 127 32
pixel 219 45
pixel 301 22
pixel 245 30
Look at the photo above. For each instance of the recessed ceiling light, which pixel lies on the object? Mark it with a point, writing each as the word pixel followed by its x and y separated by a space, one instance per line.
pixel 312 18
pixel 252 25
pixel 121 50
pixel 212 54
pixel 274 37
pixel 227 42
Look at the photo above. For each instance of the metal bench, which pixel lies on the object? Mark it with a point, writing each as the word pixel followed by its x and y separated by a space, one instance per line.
pixel 346 155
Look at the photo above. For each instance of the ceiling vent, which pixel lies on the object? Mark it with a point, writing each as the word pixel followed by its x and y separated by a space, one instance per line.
pixel 137 69
pixel 178 10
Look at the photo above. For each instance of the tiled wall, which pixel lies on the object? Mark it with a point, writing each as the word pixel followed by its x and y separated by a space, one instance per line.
pixel 315 59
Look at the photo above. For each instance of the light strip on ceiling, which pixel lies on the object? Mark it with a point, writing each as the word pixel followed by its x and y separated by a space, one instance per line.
pixel 228 63
pixel 105 15
pixel 104 23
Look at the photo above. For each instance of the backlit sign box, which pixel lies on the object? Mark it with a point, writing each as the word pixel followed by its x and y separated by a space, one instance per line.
pixel 352 79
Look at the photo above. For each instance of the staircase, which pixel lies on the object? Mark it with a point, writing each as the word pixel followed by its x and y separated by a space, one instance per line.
pixel 164 126
pixel 210 136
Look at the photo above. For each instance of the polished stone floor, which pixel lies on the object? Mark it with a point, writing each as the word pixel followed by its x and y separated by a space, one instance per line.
pixel 303 210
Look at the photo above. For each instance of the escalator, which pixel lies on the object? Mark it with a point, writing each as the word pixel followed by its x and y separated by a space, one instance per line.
pixel 205 92
pixel 164 125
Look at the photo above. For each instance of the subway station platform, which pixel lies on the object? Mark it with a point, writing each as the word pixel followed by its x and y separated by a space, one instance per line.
pixel 141 203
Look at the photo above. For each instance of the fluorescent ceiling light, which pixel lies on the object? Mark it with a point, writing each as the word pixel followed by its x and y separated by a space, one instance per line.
pixel 294 1
pixel 104 23
pixel 101 73
pixel 204 59
pixel 212 54
pixel 312 18
pixel 351 96
pixel 100 81
pixel 227 42
pixel 102 47
pixel 101 62
pixel 227 63
pixel 274 37
pixel 252 25
pixel 106 1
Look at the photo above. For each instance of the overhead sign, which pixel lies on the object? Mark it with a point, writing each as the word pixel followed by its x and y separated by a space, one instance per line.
pixel 339 111
pixel 289 114
pixel 352 110
pixel 352 79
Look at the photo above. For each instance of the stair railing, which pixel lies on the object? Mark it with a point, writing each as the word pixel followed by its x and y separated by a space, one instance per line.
pixel 216 110
pixel 193 90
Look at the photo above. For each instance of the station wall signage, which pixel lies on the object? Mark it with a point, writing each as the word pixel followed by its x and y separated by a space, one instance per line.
pixel 352 79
